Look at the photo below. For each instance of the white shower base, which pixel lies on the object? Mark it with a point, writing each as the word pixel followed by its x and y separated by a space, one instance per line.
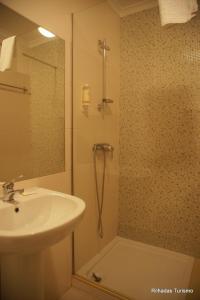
pixel 133 269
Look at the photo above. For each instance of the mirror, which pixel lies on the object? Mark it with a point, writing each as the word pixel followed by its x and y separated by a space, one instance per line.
pixel 31 99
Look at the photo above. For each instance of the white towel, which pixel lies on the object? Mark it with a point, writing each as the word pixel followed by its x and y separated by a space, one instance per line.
pixel 7 52
pixel 177 11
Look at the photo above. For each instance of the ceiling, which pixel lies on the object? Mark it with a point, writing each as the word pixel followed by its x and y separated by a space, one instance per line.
pixel 128 7
pixel 24 26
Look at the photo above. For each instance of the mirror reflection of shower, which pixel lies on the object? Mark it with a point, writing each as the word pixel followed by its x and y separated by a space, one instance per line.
pixel 103 48
pixel 104 148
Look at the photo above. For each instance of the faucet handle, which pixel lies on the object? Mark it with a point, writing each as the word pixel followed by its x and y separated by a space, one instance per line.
pixel 8 186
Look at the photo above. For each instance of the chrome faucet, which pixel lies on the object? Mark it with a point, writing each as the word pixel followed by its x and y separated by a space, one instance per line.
pixel 9 190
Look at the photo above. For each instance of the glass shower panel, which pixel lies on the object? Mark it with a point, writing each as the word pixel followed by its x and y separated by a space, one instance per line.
pixel 150 215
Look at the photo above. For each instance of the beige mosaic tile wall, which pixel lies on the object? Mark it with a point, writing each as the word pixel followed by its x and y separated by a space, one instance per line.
pixel 160 132
pixel 47 108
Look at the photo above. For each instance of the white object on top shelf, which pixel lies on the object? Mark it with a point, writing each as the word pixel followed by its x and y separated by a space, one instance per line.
pixel 177 11
pixel 7 52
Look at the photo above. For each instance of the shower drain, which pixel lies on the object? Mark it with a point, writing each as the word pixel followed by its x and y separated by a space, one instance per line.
pixel 96 277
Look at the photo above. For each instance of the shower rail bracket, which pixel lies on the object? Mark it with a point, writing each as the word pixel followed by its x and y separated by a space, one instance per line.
pixel 105 101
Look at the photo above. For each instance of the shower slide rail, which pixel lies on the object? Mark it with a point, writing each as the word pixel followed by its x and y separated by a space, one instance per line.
pixel 103 48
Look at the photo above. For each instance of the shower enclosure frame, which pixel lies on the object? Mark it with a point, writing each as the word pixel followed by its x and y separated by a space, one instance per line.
pixel 105 101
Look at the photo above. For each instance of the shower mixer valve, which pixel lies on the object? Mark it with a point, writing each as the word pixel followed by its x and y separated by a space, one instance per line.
pixel 103 146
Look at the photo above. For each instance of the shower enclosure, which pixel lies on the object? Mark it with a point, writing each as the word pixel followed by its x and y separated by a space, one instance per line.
pixel 136 153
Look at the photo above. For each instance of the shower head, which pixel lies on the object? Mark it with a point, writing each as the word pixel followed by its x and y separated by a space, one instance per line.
pixel 102 45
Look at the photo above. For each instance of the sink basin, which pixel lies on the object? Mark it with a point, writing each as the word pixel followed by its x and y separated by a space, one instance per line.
pixel 40 219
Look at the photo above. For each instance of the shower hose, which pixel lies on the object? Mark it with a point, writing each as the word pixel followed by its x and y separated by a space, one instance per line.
pixel 99 196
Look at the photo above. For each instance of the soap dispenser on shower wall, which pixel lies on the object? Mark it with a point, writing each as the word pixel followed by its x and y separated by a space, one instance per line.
pixel 85 97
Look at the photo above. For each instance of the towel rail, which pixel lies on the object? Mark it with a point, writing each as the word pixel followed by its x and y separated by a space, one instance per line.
pixel 23 89
pixel 39 60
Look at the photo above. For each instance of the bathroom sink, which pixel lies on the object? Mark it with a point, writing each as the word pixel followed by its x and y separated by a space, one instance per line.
pixel 40 219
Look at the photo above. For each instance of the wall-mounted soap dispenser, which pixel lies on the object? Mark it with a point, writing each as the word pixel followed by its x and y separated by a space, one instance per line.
pixel 85 96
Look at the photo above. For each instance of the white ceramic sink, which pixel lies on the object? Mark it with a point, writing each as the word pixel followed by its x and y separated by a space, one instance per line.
pixel 43 218
pixel 40 219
